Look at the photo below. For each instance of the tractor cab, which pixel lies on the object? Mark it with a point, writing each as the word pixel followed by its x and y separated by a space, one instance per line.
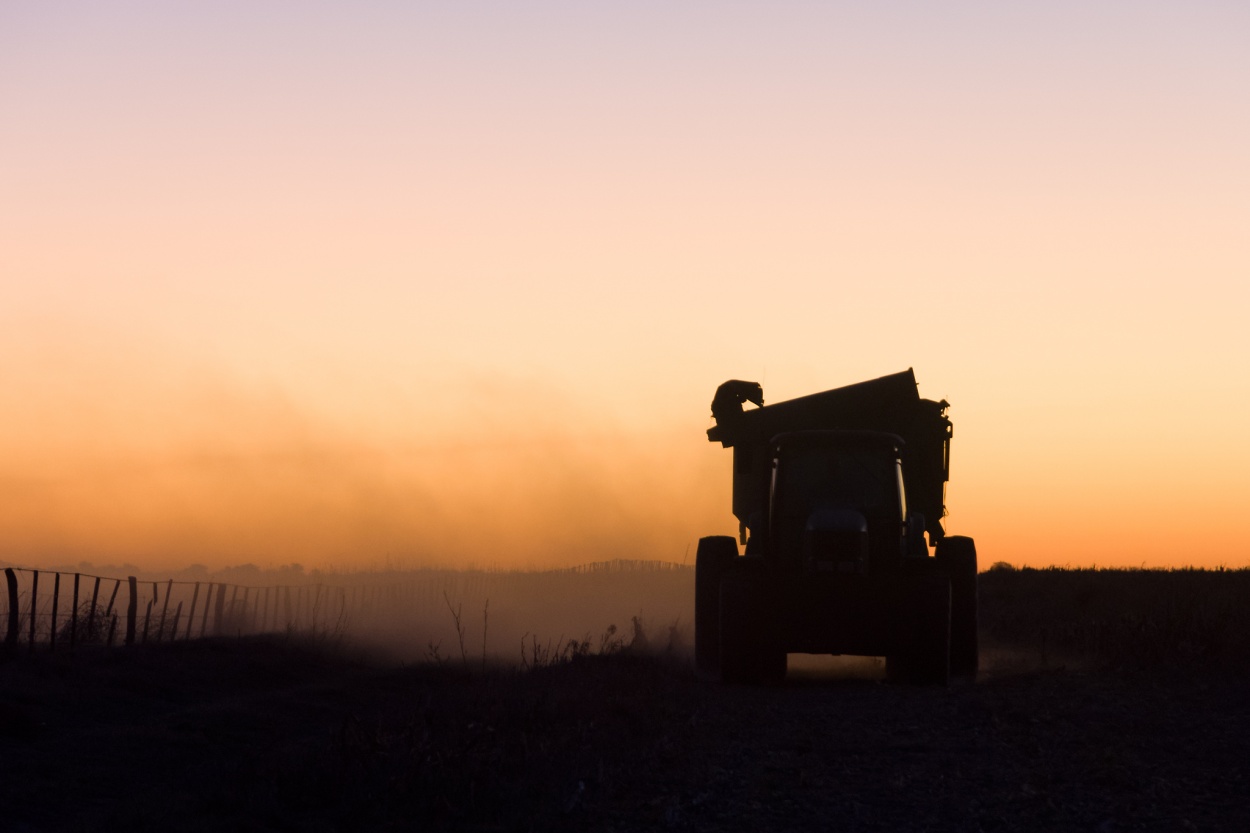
pixel 837 502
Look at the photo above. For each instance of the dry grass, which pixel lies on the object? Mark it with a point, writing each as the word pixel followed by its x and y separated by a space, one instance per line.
pixel 1134 620
pixel 613 731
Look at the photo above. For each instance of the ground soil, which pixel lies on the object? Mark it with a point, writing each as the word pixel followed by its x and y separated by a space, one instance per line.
pixel 291 734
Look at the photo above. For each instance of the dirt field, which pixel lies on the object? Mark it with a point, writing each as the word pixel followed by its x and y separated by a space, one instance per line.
pixel 288 734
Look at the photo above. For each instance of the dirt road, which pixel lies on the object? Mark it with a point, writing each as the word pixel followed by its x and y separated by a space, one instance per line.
pixel 276 735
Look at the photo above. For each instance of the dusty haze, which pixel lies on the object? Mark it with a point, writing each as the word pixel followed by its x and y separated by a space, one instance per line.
pixel 121 452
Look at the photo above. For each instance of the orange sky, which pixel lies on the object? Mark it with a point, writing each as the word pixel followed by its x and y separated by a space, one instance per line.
pixel 339 285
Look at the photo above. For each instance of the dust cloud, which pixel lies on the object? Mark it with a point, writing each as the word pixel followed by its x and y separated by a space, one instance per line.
pixel 118 451
pixel 523 617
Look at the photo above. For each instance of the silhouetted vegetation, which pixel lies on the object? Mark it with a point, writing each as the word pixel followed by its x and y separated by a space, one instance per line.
pixel 1186 620
pixel 304 733
pixel 613 730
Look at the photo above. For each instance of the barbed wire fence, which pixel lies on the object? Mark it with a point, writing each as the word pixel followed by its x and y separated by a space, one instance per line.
pixel 51 610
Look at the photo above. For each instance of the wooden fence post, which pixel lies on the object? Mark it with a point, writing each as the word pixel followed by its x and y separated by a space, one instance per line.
pixel 10 636
pixel 208 598
pixel 34 606
pixel 117 585
pixel 173 631
pixel 95 595
pixel 73 616
pixel 195 597
pixel 241 614
pixel 132 612
pixel 217 610
pixel 56 597
pixel 169 591
pixel 287 609
pixel 147 619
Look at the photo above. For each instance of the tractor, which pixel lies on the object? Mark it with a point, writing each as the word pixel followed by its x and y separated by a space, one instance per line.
pixel 835 494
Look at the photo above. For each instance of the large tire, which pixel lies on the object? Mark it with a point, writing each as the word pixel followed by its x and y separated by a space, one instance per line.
pixel 957 558
pixel 925 658
pixel 749 651
pixel 713 557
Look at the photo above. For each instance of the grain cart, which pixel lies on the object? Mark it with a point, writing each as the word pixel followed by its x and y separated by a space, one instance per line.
pixel 834 494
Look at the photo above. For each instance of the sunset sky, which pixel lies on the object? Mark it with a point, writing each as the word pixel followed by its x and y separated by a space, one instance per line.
pixel 356 283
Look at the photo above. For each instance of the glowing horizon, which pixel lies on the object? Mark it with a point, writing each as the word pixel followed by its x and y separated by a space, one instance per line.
pixel 458 285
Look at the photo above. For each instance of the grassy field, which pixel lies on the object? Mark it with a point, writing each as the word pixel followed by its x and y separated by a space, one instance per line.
pixel 1173 620
pixel 1126 619
pixel 1109 700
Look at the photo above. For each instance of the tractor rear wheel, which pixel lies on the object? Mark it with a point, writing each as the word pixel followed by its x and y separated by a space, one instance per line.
pixel 749 651
pixel 924 658
pixel 715 554
pixel 956 557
